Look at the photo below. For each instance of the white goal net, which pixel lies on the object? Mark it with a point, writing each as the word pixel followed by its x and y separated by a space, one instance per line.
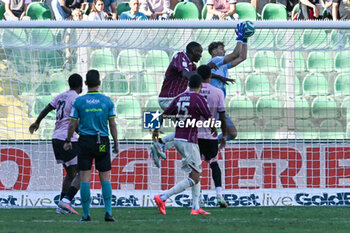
pixel 289 103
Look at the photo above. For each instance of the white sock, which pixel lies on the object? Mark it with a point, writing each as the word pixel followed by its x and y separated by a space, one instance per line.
pixel 196 189
pixel 169 137
pixel 65 200
pixel 180 187
pixel 218 191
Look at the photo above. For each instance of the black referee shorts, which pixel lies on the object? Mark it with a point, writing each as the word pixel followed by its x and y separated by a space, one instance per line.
pixel 209 148
pixel 63 156
pixel 89 150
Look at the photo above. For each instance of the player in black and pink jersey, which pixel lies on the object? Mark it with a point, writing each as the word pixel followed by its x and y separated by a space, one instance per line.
pixel 188 108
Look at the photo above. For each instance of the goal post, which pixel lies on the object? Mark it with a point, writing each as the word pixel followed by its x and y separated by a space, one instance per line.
pixel 289 104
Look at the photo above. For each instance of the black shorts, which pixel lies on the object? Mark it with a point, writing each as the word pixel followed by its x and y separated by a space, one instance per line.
pixel 89 150
pixel 209 148
pixel 63 156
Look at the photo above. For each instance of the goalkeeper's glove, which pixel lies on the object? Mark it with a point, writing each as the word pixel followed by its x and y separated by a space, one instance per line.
pixel 240 33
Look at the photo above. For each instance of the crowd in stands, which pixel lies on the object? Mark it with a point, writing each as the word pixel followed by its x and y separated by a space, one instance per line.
pixel 173 9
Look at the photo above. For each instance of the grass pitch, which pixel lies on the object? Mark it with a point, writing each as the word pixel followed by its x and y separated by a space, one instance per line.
pixel 249 219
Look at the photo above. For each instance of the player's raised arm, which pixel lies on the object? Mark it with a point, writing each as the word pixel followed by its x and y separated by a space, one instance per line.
pixel 35 126
pixel 239 54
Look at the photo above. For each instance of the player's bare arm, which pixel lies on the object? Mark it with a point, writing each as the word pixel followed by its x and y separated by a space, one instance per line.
pixel 72 126
pixel 222 118
pixel 223 79
pixel 35 126
pixel 239 54
pixel 113 129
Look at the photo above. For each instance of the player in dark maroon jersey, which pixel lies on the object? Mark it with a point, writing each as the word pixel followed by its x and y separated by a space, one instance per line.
pixel 180 69
pixel 188 108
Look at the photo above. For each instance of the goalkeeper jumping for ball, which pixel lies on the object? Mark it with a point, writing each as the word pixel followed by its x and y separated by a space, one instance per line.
pixel 63 104
pixel 225 62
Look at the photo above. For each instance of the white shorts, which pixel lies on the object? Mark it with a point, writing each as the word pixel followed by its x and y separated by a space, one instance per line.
pixel 191 158
pixel 164 102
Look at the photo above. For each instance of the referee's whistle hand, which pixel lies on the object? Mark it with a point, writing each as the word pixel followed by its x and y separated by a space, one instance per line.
pixel 67 146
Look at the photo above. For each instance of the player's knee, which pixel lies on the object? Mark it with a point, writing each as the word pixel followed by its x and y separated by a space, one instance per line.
pixel 195 177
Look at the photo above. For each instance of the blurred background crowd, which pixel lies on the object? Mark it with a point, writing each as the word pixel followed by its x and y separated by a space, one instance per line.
pixel 175 9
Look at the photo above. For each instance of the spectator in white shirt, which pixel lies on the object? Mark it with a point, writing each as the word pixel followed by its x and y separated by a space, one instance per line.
pixel 97 12
pixel 156 9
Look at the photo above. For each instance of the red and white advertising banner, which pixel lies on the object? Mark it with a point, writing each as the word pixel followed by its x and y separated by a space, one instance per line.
pixel 264 174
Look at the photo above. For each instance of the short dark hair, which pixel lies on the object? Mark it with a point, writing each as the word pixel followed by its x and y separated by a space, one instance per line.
pixel 75 81
pixel 191 46
pixel 215 45
pixel 195 81
pixel 92 78
pixel 204 71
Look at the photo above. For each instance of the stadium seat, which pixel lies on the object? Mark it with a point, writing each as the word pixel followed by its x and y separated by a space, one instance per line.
pixel 269 107
pixel 128 107
pixel 53 87
pixel 342 84
pixel 331 129
pixel 2 11
pixel 301 107
pixel 38 11
pixel 156 61
pixel 14 42
pixel 262 39
pixel 115 84
pixel 244 67
pixel 248 129
pixel 339 39
pixel 50 60
pixel 257 85
pixel 59 83
pixel 274 11
pixel 342 61
pixel 41 37
pixel 152 104
pixel 143 84
pixel 285 39
pixel 246 11
pixel 102 60
pixel 305 129
pixel 206 36
pixel 240 107
pixel 315 84
pixel 204 11
pixel 39 104
pixel 235 88
pixel 323 107
pixel 130 61
pixel 186 10
pixel 275 129
pixel 315 39
pixel 122 7
pixel 345 108
pixel 295 10
pixel 280 85
pixel 265 61
pixel 299 62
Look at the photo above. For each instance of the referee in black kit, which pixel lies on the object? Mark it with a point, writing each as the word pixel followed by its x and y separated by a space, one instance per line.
pixel 94 111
